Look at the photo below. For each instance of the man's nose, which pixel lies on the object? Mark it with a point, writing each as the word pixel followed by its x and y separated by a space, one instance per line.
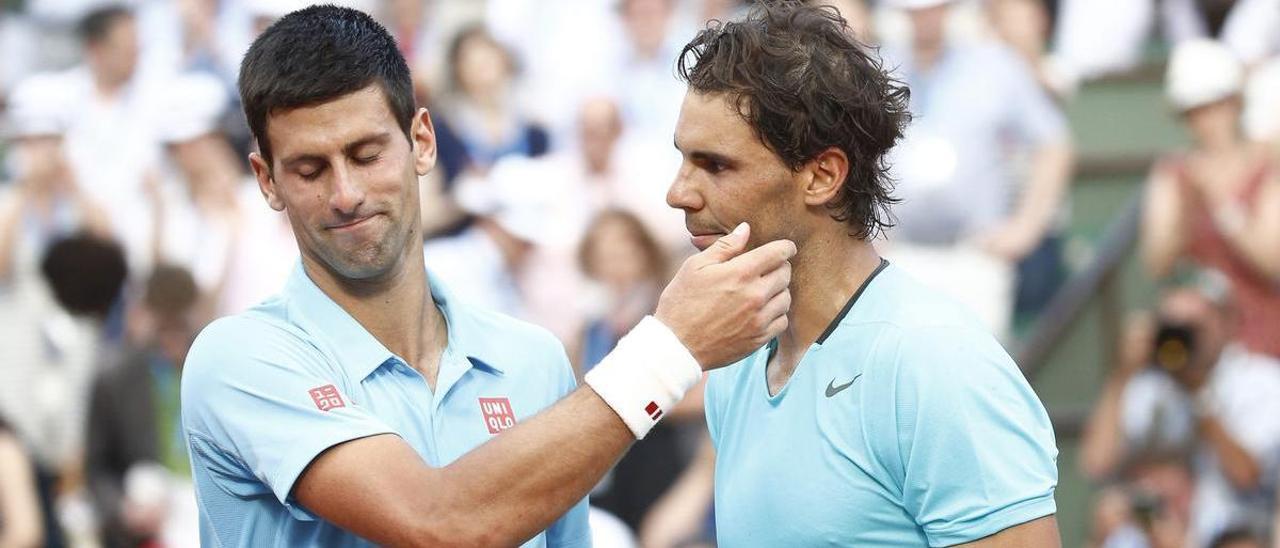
pixel 681 194
pixel 347 194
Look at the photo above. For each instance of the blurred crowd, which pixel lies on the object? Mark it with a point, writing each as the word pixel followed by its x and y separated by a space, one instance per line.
pixel 128 220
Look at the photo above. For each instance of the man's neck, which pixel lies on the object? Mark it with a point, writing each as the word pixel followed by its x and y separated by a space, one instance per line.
pixel 825 274
pixel 398 311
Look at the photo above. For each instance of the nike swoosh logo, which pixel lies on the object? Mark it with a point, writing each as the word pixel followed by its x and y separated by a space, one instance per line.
pixel 832 389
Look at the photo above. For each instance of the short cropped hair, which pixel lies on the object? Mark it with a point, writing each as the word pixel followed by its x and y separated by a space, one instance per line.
pixel 798 77
pixel 96 25
pixel 318 54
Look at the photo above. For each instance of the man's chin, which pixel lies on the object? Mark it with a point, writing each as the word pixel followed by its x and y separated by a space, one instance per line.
pixel 363 266
pixel 703 241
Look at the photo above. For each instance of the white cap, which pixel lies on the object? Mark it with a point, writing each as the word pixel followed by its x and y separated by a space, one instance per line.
pixel 195 103
pixel 509 197
pixel 1200 72
pixel 40 105
pixel 916 4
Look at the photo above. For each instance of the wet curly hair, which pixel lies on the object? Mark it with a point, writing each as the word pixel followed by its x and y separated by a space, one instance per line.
pixel 801 80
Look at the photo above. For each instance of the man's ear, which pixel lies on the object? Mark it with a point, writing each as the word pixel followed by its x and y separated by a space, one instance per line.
pixel 266 183
pixel 827 172
pixel 422 135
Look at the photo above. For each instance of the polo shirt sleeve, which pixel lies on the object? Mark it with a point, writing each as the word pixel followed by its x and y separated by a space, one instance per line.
pixel 572 529
pixel 266 400
pixel 976 448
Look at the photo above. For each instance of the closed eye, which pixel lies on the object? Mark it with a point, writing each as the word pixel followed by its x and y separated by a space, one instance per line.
pixel 311 175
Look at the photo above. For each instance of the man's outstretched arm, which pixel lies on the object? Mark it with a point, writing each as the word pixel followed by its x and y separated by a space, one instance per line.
pixel 722 305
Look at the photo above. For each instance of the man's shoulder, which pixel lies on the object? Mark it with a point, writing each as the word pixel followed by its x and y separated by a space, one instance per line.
pixel 236 339
pixel 915 324
pixel 901 303
pixel 507 328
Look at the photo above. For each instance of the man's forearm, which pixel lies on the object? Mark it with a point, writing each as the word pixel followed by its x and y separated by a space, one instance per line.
pixel 520 482
pixel 1162 222
pixel 1255 234
pixel 1237 464
pixel 1102 445
pixel 1046 187
pixel 499 494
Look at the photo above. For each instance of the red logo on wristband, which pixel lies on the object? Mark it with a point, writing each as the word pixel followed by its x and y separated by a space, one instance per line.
pixel 653 410
pixel 498 415
pixel 327 397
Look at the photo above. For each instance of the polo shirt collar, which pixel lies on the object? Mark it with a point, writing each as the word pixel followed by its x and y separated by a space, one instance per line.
pixel 467 334
pixel 358 352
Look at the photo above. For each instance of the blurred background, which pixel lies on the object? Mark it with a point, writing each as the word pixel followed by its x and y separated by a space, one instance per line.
pixel 1098 179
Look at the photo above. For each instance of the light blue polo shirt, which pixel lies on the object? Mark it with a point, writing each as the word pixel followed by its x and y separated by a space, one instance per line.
pixel 266 391
pixel 904 425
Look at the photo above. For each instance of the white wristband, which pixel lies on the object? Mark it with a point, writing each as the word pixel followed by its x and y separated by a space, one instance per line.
pixel 645 375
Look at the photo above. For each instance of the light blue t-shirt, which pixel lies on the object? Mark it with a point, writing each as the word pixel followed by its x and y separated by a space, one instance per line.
pixel 266 391
pixel 904 425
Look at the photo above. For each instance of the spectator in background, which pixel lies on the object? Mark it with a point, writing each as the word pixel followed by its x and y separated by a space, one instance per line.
pixel 625 261
pixel 418 33
pixel 198 216
pixel 960 228
pixel 110 139
pixel 1138 443
pixel 1024 26
pixel 551 89
pixel 46 201
pixel 1218 203
pixel 680 517
pixel 483 263
pixel 20 517
pixel 484 121
pixel 644 81
pixel 48 353
pixel 136 460
pixel 628 269
pixel 1182 387
pixel 183 35
pixel 606 171
pixel 85 275
pixel 1099 37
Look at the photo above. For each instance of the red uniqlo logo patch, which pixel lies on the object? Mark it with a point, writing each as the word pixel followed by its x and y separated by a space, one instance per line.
pixel 653 410
pixel 327 397
pixel 498 415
